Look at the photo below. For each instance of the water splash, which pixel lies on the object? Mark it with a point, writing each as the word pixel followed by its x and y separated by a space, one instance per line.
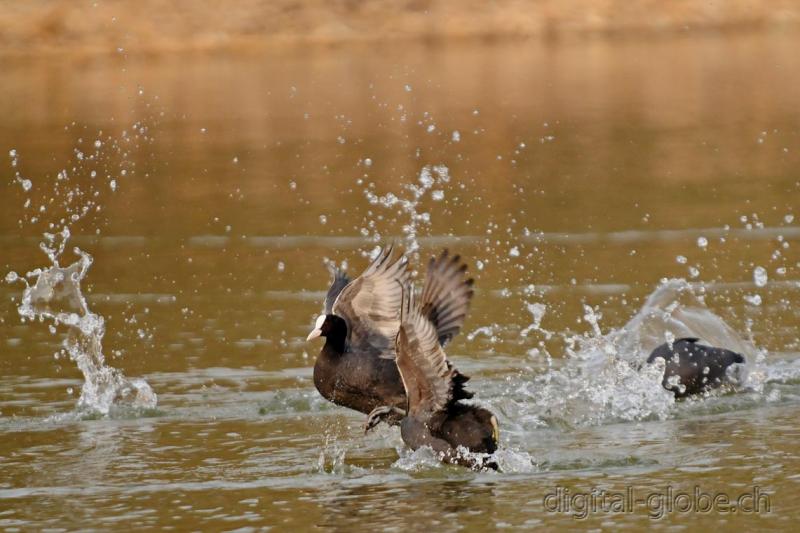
pixel 429 177
pixel 676 309
pixel 55 295
pixel 332 455
pixel 537 311
pixel 514 461
pixel 424 459
pixel 603 377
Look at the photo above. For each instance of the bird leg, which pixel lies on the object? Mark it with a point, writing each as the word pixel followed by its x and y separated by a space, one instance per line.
pixel 379 413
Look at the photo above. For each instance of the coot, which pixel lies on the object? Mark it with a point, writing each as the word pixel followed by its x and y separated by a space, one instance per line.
pixel 356 368
pixel 435 415
pixel 693 368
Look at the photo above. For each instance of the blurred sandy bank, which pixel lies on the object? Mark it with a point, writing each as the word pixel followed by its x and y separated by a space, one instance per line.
pixel 156 26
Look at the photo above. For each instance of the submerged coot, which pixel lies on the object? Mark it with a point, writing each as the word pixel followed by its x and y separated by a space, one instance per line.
pixel 435 415
pixel 693 368
pixel 356 368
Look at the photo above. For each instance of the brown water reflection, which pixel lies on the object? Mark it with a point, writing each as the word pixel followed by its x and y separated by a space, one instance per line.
pixel 208 268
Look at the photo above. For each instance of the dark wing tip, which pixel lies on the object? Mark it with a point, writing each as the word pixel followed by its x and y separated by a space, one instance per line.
pixel 339 282
pixel 336 272
pixel 446 294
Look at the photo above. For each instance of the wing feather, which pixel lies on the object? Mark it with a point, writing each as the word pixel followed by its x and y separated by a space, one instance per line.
pixel 431 382
pixel 340 281
pixel 446 295
pixel 371 305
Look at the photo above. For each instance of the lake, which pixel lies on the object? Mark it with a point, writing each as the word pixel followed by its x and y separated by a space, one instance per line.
pixel 575 178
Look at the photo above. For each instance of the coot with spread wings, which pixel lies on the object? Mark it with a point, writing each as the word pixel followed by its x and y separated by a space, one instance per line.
pixel 436 416
pixel 356 368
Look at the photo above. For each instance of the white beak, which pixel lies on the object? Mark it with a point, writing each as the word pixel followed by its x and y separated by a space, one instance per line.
pixel 317 331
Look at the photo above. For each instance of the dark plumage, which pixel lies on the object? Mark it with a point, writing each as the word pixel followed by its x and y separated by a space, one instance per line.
pixel 693 368
pixel 356 368
pixel 435 415
pixel 446 295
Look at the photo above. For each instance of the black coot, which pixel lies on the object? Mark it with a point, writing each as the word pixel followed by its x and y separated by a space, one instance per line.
pixel 694 368
pixel 356 368
pixel 435 415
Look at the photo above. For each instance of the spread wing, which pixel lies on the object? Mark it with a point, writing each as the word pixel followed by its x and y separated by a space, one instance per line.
pixel 431 382
pixel 340 281
pixel 446 295
pixel 371 303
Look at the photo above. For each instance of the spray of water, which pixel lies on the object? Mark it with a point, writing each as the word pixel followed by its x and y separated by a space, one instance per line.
pixel 676 309
pixel 408 202
pixel 603 377
pixel 53 293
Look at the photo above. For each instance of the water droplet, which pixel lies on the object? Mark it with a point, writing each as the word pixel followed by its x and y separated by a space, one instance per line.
pixel 456 137
pixel 281 266
pixel 760 276
pixel 425 178
pixel 702 242
pixel 437 196
pixel 26 184
pixel 753 299
pixel 407 88
pixel 11 277
pixel 367 162
pixel 681 259
pixel 514 252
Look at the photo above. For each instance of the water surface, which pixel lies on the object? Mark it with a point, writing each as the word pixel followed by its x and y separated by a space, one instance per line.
pixel 578 175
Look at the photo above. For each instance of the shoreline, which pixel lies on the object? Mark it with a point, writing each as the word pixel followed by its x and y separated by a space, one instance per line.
pixel 147 28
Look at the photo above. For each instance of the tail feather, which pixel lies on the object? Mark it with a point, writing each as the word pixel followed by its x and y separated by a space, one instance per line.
pixel 446 295
pixel 459 382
